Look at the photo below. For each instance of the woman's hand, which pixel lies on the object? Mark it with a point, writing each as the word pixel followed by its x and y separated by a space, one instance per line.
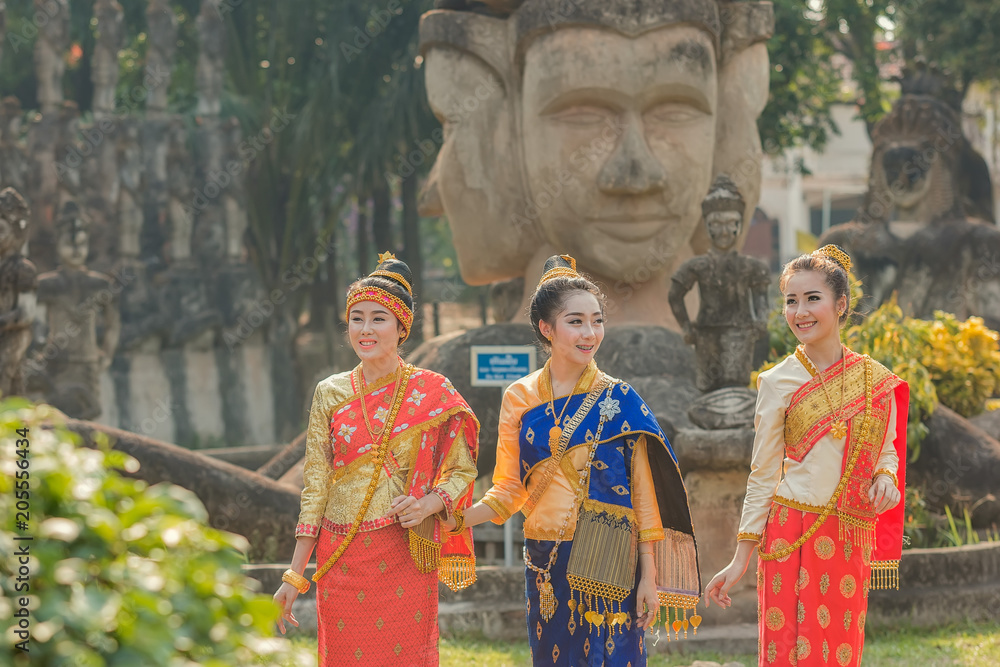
pixel 284 597
pixel 883 493
pixel 647 602
pixel 449 524
pixel 412 512
pixel 718 588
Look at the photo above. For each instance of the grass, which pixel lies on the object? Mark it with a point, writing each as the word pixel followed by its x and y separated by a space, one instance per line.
pixel 966 645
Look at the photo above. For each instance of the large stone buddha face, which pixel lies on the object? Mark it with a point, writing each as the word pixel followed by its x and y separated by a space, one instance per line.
pixel 595 134
pixel 628 126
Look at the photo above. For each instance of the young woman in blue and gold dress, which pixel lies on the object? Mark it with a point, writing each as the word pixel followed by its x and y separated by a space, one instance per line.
pixel 608 535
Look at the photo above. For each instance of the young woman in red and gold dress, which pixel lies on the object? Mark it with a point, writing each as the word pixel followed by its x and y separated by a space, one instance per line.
pixel 390 454
pixel 823 505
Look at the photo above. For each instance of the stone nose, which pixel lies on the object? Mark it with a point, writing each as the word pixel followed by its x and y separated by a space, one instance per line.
pixel 632 168
pixel 904 165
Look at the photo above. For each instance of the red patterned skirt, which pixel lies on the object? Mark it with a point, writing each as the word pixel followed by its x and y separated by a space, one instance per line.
pixel 811 604
pixel 374 607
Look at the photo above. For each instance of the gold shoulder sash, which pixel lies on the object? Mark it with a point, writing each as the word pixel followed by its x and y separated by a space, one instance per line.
pixel 810 416
pixel 548 470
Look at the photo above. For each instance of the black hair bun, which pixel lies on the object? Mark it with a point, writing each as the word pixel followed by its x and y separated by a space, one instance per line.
pixel 557 262
pixel 397 266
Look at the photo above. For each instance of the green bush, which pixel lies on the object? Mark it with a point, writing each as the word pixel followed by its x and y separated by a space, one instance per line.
pixel 121 573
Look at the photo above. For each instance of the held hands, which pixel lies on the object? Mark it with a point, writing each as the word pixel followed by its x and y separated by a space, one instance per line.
pixel 284 597
pixel 412 512
pixel 883 493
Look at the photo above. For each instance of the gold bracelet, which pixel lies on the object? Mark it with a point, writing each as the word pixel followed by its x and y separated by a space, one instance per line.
pixel 886 471
pixel 292 577
pixel 459 521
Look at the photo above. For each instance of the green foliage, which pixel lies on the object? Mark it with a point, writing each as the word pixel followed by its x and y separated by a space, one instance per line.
pixel 924 529
pixel 960 37
pixel 121 573
pixel 803 82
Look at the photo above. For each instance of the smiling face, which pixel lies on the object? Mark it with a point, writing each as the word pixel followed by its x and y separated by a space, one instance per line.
pixel 619 135
pixel 577 330
pixel 811 310
pixel 374 332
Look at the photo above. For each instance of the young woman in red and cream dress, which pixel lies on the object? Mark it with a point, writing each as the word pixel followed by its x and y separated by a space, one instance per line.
pixel 823 505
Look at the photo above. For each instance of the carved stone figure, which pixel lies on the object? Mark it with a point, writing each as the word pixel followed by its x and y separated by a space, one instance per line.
pixel 82 318
pixel 160 52
pixel 130 165
pixel 923 231
pixel 13 162
pixel 210 70
pixel 180 211
pixel 50 51
pixel 104 63
pixel 592 127
pixel 733 295
pixel 234 195
pixel 17 276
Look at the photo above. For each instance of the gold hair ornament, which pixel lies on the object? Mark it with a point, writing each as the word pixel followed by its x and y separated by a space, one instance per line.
pixel 561 271
pixel 395 276
pixel 385 256
pixel 836 254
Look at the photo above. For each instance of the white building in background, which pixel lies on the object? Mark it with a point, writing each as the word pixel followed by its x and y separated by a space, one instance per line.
pixel 829 193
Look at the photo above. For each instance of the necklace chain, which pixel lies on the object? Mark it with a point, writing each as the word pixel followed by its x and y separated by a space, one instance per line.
pixel 581 490
pixel 838 413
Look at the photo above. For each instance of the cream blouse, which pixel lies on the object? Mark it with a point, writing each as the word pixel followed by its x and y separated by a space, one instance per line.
pixel 774 477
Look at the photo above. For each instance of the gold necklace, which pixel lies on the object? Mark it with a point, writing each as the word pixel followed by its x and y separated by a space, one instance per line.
pixel 546 594
pixel 556 431
pixel 364 409
pixel 838 429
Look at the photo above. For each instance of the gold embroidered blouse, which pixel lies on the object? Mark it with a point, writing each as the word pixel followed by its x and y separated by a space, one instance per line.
pixel 806 484
pixel 331 499
pixel 508 494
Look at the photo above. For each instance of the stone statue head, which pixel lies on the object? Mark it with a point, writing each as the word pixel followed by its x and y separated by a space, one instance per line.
pixel 13 222
pixel 72 236
pixel 592 127
pixel 915 159
pixel 723 209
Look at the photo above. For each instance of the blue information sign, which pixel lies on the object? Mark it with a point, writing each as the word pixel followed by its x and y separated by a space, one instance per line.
pixel 499 365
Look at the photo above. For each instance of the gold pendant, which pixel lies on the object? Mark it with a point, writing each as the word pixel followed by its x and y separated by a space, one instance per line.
pixel 839 430
pixel 554 434
pixel 546 601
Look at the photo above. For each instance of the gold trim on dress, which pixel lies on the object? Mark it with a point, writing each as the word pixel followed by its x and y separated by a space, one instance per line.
pixel 803 507
pixel 885 575
pixel 502 512
pixel 856 448
pixel 651 535
pixel 749 537
pixel 886 471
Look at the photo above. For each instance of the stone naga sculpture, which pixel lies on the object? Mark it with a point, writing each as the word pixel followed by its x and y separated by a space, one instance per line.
pixel 592 128
pixel 80 303
pixel 17 276
pixel 733 294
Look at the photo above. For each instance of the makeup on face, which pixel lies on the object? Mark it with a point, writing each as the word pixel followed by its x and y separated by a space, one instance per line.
pixel 812 312
pixel 579 329
pixel 373 331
